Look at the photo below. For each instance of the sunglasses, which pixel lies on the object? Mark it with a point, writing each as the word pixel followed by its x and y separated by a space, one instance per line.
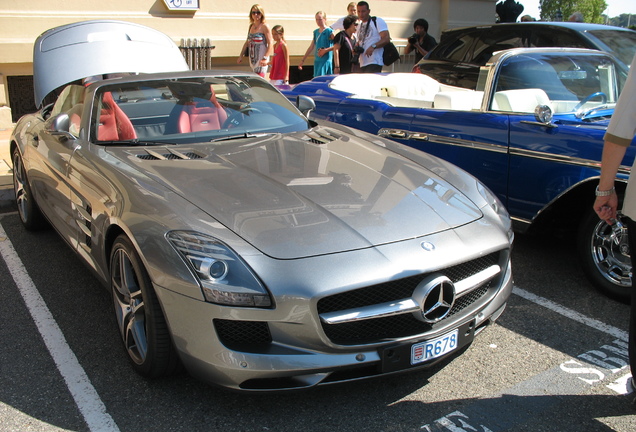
pixel 256 12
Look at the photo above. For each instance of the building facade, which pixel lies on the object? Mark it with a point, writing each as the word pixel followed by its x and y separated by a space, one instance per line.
pixel 221 24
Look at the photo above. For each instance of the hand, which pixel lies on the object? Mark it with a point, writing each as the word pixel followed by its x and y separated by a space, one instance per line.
pixel 369 51
pixel 239 60
pixel 606 207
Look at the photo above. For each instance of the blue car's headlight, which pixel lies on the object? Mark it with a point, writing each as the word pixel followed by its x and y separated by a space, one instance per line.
pixel 496 204
pixel 224 277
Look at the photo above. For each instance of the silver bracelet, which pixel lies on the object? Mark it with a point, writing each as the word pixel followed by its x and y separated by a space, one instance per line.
pixel 600 193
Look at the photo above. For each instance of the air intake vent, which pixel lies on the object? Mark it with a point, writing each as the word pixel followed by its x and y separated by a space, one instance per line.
pixel 320 136
pixel 170 155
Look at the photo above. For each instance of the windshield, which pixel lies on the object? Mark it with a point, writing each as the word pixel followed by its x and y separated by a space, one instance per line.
pixel 566 82
pixel 191 109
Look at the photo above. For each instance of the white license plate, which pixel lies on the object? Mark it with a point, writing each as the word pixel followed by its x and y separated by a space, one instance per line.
pixel 424 351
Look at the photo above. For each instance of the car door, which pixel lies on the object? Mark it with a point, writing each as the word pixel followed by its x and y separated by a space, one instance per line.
pixel 473 140
pixel 546 161
pixel 50 152
pixel 372 115
pixel 50 156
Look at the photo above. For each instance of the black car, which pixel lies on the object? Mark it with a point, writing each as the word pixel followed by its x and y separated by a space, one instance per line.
pixel 462 51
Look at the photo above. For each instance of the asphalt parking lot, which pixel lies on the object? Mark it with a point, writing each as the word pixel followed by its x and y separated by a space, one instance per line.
pixel 555 361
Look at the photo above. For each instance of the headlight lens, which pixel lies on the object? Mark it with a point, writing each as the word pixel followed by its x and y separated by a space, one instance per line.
pixel 496 204
pixel 225 278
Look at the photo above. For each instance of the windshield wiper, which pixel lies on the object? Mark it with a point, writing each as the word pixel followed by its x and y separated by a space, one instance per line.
pixel 135 142
pixel 239 136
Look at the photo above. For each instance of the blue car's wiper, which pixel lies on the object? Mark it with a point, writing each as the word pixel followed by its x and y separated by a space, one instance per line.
pixel 135 142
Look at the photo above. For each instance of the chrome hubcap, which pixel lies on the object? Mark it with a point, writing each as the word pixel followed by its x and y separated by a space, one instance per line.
pixel 610 252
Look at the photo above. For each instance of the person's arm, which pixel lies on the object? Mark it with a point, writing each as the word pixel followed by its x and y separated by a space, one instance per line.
pixel 309 51
pixel 607 206
pixel 420 49
pixel 385 38
pixel 270 45
pixel 286 55
pixel 336 57
pixel 323 51
pixel 240 58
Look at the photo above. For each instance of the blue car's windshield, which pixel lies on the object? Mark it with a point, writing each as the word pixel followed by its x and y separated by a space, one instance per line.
pixel 189 109
pixel 566 82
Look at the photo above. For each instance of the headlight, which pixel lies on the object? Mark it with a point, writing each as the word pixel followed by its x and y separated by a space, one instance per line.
pixel 496 204
pixel 223 275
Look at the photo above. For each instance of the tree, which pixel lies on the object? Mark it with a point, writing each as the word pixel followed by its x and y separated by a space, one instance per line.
pixel 592 10
pixel 623 20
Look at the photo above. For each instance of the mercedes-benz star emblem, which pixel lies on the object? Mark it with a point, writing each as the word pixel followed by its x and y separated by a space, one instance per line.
pixel 428 246
pixel 436 296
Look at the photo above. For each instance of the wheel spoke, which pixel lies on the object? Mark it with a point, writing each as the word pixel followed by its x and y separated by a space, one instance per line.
pixel 18 185
pixel 135 338
pixel 129 306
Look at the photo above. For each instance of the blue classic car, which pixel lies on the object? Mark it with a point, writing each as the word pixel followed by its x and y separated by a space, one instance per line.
pixel 532 131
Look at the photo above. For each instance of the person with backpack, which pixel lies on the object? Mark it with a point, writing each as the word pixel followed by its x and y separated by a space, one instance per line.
pixel 372 36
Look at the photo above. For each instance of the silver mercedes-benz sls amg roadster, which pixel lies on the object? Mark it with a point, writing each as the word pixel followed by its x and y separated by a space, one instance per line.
pixel 260 250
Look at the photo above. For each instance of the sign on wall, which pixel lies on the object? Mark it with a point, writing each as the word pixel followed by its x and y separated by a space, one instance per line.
pixel 182 4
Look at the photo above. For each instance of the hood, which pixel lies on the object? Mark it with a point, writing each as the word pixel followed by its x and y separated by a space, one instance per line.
pixel 75 51
pixel 292 198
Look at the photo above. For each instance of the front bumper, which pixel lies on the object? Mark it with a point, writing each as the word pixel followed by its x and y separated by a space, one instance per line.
pixel 283 362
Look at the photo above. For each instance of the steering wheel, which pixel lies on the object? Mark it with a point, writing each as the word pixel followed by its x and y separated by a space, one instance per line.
pixel 235 119
pixel 589 98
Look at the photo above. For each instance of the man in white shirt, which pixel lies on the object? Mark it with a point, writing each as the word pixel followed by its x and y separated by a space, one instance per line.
pixel 620 135
pixel 372 36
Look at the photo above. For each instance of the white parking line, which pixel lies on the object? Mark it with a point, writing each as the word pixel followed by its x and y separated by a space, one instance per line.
pixel 569 313
pixel 78 383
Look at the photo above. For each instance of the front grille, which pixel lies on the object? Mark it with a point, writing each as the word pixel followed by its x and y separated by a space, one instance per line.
pixel 401 288
pixel 404 325
pixel 248 336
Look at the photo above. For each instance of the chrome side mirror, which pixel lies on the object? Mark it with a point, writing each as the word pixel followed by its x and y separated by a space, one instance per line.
pixel 60 126
pixel 543 114
pixel 305 104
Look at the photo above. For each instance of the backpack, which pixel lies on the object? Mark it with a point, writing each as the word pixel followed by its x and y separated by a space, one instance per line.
pixel 391 54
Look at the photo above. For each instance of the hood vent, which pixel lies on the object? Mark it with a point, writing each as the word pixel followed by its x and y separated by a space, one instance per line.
pixel 320 136
pixel 169 155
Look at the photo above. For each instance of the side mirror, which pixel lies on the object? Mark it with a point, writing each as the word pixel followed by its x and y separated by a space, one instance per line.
pixel 305 104
pixel 60 126
pixel 543 114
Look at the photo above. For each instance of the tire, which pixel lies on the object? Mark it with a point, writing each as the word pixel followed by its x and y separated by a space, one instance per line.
pixel 28 209
pixel 141 322
pixel 604 253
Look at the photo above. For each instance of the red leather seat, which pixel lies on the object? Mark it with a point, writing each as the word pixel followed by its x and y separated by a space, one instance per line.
pixel 114 124
pixel 202 116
